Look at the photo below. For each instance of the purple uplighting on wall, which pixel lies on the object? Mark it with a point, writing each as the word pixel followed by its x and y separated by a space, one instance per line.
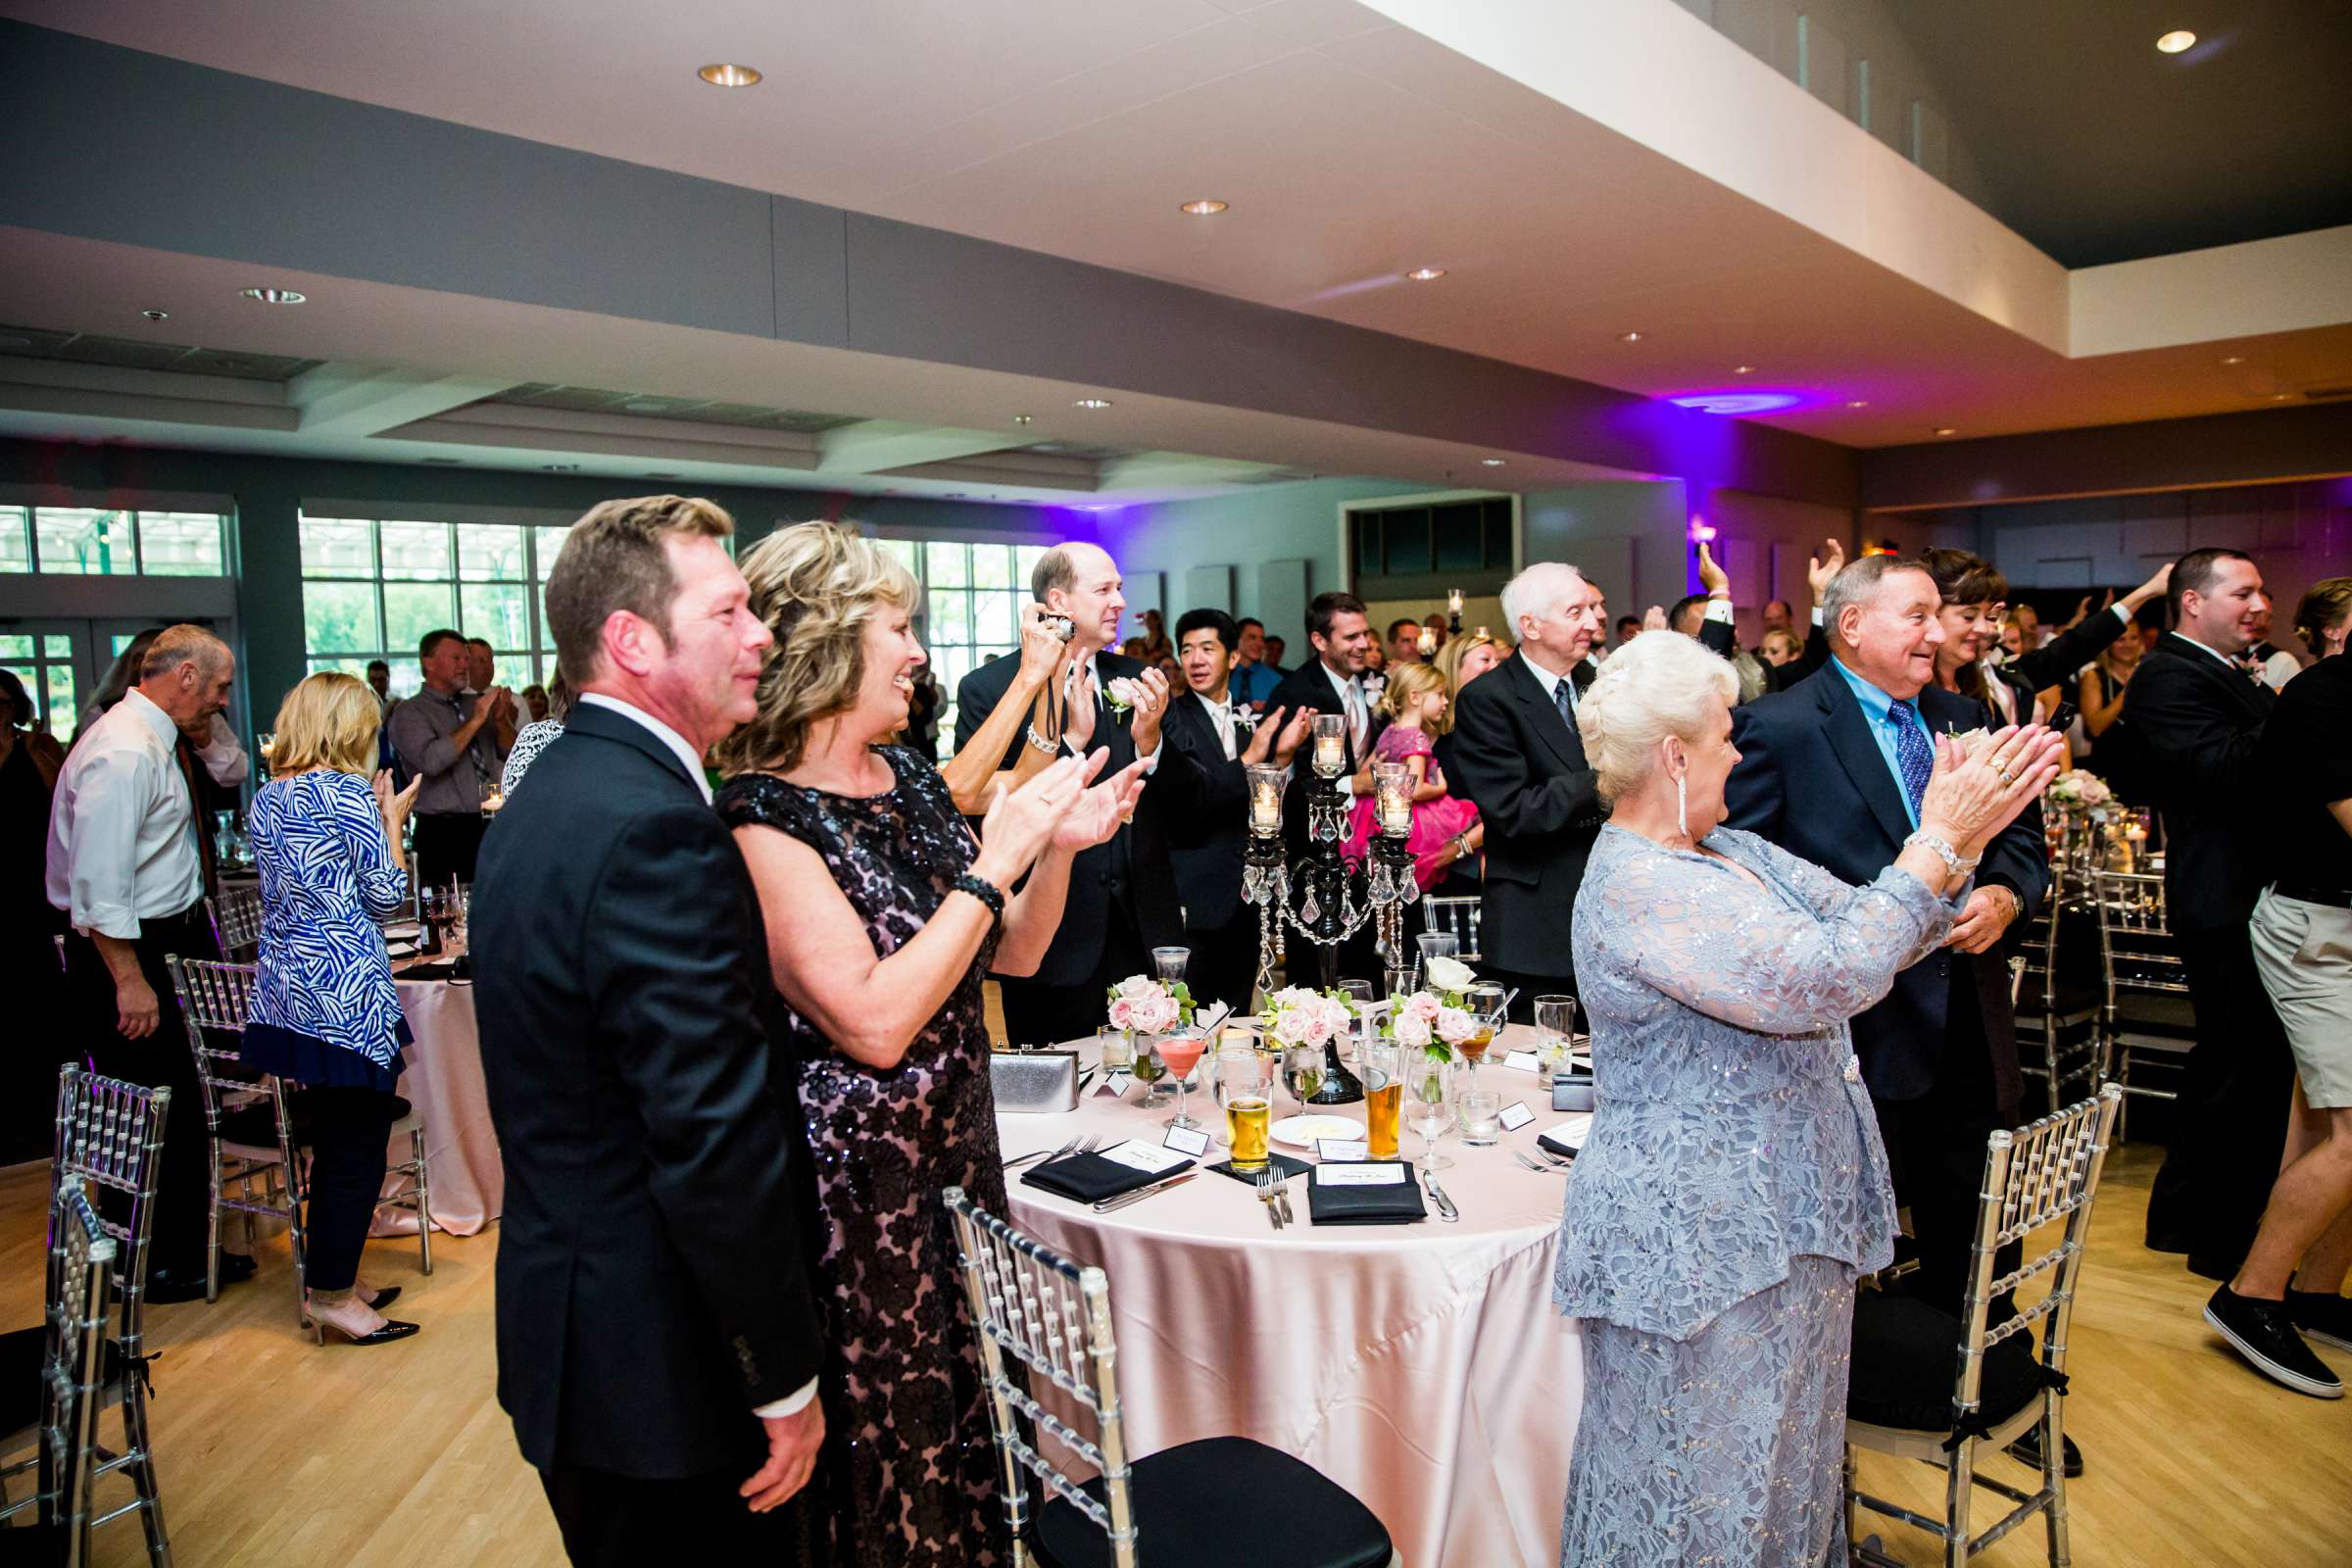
pixel 1742 400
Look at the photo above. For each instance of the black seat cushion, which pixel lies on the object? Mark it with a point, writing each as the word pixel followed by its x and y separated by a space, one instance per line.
pixel 22 1352
pixel 1297 1518
pixel 2150 1012
pixel 256 1124
pixel 1907 1361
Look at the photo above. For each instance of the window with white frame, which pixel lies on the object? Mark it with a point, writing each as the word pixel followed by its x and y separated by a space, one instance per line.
pixel 372 587
pixel 110 542
pixel 972 596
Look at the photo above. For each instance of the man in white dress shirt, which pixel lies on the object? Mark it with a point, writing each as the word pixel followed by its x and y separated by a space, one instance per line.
pixel 124 865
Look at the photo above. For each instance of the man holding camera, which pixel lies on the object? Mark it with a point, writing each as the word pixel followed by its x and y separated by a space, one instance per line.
pixel 1122 901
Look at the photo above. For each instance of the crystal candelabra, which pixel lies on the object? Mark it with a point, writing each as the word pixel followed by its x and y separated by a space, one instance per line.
pixel 1317 893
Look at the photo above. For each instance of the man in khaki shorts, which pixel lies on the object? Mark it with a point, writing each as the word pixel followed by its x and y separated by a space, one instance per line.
pixel 2302 936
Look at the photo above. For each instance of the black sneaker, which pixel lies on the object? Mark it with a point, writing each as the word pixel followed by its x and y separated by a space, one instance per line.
pixel 2263 1333
pixel 2322 1315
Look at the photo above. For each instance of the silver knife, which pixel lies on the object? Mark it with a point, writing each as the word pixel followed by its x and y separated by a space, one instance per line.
pixel 1282 1196
pixel 1142 1193
pixel 1445 1209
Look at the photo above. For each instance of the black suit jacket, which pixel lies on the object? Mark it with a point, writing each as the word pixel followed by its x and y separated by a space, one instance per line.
pixel 1524 769
pixel 1309 686
pixel 1811 778
pixel 1132 870
pixel 2198 724
pixel 1206 848
pixel 651 1282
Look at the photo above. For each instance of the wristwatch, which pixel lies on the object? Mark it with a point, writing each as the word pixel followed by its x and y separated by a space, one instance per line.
pixel 1950 856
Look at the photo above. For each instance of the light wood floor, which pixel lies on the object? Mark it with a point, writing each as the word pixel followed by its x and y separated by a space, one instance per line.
pixel 272 1451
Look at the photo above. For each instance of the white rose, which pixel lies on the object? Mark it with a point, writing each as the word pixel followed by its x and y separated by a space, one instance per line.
pixel 1455 1025
pixel 1289 1026
pixel 1448 974
pixel 1422 1006
pixel 1412 1030
pixel 1136 987
pixel 1122 1013
pixel 1292 997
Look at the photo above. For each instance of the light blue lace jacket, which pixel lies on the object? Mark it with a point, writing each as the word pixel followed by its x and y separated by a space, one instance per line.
pixel 1732 1131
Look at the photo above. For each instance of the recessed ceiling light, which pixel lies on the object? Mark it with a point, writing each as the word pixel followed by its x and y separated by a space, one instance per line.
pixel 157 316
pixel 2234 359
pixel 1204 208
pixel 231 364
pixel 1024 418
pixel 1629 337
pixel 2281 397
pixel 956 495
pixel 560 467
pixel 1092 403
pixel 272 296
pixel 729 75
pixel 2178 39
pixel 661 477
pixel 1744 370
pixel 1857 403
pixel 1945 429
pixel 1492 463
pixel 1426 274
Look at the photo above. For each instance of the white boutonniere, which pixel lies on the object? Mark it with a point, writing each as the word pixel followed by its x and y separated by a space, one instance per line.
pixel 1972 742
pixel 1244 719
pixel 1120 693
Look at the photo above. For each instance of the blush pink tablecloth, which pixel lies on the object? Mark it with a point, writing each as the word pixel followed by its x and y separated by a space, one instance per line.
pixel 443 1080
pixel 1422 1367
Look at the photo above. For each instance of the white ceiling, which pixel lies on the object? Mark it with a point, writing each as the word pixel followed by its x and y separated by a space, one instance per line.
pixel 1351 150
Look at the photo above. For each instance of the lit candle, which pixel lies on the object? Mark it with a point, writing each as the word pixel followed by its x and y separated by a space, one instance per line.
pixel 1393 784
pixel 1454 600
pixel 1331 754
pixel 1427 643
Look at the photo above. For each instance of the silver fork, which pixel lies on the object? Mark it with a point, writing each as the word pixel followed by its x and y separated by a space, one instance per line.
pixel 1557 1162
pixel 1070 1148
pixel 1534 1165
pixel 1267 1188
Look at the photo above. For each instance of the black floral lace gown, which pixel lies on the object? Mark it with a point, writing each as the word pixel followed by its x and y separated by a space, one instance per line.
pixel 909 1473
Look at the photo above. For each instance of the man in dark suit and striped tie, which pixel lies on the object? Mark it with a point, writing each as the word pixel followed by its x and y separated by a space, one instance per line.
pixel 1519 757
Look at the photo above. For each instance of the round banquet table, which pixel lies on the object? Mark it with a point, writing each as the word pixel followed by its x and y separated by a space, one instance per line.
pixel 442 1078
pixel 1422 1367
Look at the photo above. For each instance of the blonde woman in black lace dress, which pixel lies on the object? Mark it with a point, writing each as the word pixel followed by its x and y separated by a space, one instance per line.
pixel 883 915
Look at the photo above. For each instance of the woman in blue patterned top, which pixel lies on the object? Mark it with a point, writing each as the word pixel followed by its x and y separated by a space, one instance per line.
pixel 326 1013
pixel 1734 1185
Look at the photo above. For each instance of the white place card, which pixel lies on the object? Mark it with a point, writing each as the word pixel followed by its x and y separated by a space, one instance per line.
pixel 1377 1173
pixel 1144 1156
pixel 1516 1115
pixel 1187 1141
pixel 1524 1061
pixel 1114 1084
pixel 1342 1149
pixel 1570 1134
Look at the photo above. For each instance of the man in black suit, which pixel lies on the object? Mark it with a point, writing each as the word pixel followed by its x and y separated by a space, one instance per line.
pixel 1122 901
pixel 658 1346
pixel 1334 681
pixel 1832 769
pixel 2198 720
pixel 1520 758
pixel 1222 739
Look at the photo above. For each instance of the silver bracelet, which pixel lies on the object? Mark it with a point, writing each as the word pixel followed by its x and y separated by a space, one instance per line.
pixel 1950 856
pixel 1042 745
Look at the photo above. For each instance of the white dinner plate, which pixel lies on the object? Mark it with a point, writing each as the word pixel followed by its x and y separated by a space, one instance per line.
pixel 1301 1132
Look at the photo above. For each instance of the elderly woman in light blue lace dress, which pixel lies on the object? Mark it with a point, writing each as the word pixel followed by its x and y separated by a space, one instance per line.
pixel 1733 1185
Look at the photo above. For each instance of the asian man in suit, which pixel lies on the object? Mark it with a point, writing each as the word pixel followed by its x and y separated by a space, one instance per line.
pixel 1122 901
pixel 1519 757
pixel 1223 739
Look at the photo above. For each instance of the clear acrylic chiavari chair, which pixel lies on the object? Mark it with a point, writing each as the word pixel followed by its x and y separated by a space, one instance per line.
pixel 2056 997
pixel 1456 917
pixel 2146 1008
pixel 71 1351
pixel 1046 1351
pixel 236 917
pixel 2042 1174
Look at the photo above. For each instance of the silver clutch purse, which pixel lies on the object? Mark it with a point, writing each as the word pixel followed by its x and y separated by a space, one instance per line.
pixel 1038 1081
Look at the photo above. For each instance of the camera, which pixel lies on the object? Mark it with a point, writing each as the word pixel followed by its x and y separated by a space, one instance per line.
pixel 1062 626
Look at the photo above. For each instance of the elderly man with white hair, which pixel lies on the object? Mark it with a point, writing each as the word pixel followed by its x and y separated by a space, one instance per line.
pixel 1734 1184
pixel 1518 755
pixel 124 864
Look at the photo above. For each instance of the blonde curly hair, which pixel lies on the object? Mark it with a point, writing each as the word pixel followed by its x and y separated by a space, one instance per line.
pixel 1655 686
pixel 817 585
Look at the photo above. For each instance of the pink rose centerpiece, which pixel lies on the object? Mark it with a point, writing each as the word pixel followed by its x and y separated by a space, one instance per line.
pixel 1142 1005
pixel 1434 1020
pixel 1297 1015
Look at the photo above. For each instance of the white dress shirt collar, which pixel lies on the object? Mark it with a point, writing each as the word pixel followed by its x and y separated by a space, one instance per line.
pixel 1546 679
pixel 686 755
pixel 2225 660
pixel 166 730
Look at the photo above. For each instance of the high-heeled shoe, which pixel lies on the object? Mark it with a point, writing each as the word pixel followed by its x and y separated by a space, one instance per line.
pixel 384 1298
pixel 392 1330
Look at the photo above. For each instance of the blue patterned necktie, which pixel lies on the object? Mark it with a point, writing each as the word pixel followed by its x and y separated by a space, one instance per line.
pixel 1912 752
pixel 1565 698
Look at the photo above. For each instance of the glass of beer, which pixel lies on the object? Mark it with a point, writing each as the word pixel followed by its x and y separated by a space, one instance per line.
pixel 1383 1069
pixel 1248 1101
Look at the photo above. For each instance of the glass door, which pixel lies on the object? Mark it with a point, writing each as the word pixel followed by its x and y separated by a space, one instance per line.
pixel 47 657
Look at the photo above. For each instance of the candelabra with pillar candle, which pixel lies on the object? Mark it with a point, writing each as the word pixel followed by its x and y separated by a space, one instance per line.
pixel 1321 897
pixel 1453 612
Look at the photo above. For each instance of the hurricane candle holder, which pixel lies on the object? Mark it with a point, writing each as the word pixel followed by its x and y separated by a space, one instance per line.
pixel 1266 783
pixel 1392 786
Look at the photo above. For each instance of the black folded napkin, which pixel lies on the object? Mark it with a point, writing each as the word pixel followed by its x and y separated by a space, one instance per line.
pixel 456 969
pixel 1284 1163
pixel 1090 1177
pixel 1558 1146
pixel 1395 1203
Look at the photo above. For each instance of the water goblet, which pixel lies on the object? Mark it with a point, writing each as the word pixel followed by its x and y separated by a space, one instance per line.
pixel 1167 963
pixel 1302 1074
pixel 1431 1108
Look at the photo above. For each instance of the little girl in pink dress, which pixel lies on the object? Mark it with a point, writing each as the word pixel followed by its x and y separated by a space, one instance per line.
pixel 1415 700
